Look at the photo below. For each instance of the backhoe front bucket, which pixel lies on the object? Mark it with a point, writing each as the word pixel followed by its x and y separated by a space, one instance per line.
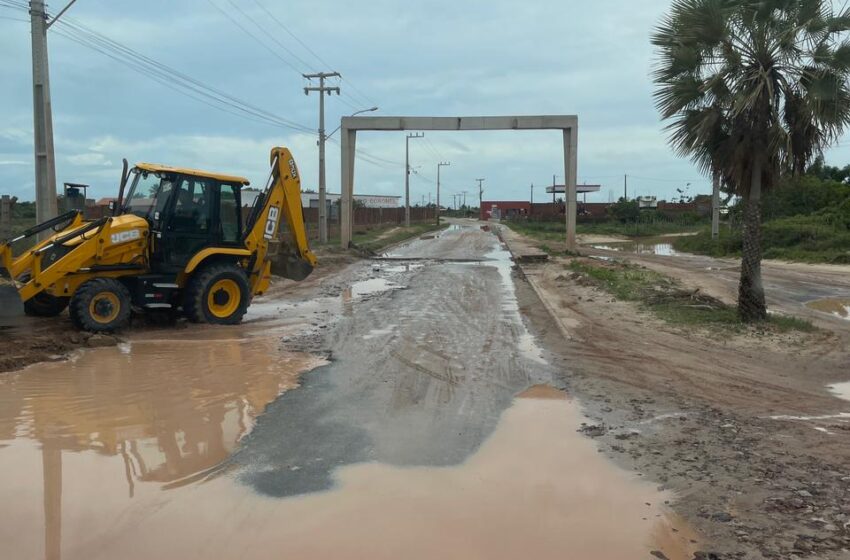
pixel 294 268
pixel 11 306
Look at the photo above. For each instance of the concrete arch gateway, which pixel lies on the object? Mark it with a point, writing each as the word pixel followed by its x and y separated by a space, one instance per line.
pixel 568 124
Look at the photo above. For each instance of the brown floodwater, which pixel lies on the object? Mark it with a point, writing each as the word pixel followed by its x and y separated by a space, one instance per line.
pixel 837 307
pixel 107 457
pixel 85 442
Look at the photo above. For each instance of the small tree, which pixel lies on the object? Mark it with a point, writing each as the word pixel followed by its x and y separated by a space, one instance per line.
pixel 625 210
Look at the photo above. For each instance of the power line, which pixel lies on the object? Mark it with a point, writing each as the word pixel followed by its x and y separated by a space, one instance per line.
pixel 257 39
pixel 293 35
pixel 267 34
pixel 163 73
pixel 365 99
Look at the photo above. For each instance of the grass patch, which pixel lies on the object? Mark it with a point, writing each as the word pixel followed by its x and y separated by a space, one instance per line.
pixel 554 232
pixel 377 239
pixel 665 298
pixel 800 238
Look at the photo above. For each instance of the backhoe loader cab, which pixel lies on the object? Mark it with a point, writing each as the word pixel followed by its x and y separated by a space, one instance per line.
pixel 177 241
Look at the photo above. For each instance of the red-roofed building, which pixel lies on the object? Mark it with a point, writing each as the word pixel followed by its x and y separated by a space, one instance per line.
pixel 498 209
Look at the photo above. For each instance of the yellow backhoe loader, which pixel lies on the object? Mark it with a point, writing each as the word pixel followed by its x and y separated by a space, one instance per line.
pixel 177 240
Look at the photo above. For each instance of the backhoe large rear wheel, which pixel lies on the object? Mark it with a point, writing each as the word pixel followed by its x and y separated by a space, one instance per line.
pixel 218 294
pixel 100 305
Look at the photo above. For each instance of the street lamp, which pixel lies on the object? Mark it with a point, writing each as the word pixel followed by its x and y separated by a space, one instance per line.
pixel 370 110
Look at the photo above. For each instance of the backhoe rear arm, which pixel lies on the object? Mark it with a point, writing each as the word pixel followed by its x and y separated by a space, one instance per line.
pixel 282 199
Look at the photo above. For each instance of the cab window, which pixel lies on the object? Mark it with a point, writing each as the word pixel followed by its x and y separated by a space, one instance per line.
pixel 192 207
pixel 229 214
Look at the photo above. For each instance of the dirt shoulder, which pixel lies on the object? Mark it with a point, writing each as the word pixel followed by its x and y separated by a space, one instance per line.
pixel 692 410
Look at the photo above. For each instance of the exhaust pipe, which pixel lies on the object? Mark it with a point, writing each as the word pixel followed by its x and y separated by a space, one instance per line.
pixel 125 175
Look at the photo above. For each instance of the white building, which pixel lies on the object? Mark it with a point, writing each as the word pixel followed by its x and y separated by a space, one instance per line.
pixel 311 200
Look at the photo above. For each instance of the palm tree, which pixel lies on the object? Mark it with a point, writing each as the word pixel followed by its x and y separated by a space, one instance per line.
pixel 753 89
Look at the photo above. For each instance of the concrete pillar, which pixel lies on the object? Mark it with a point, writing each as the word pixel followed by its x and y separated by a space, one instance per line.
pixel 46 206
pixel 349 143
pixel 570 178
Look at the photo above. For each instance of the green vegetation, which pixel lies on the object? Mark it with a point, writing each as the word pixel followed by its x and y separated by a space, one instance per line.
pixel 803 239
pixel 663 297
pixel 23 216
pixel 377 239
pixel 806 220
pixel 555 231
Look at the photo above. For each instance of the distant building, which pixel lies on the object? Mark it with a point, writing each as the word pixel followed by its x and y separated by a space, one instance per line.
pixel 647 202
pixel 504 209
pixel 311 200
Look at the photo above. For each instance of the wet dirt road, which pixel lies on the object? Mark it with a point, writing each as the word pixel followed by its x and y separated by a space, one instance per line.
pixel 437 428
pixel 818 291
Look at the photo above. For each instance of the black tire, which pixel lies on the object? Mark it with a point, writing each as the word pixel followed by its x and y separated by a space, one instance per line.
pixel 101 305
pixel 218 294
pixel 45 305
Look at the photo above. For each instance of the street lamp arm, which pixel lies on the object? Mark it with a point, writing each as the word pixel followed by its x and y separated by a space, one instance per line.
pixel 59 15
pixel 351 115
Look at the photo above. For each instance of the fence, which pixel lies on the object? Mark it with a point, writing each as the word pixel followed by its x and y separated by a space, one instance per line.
pixel 364 218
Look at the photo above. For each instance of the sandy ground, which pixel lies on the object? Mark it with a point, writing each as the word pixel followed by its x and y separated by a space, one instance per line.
pixel 742 427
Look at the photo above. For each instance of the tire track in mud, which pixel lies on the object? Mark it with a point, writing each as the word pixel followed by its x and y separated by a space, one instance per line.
pixel 427 392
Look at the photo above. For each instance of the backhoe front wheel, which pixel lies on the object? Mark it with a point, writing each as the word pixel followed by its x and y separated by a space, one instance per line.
pixel 45 305
pixel 218 294
pixel 100 305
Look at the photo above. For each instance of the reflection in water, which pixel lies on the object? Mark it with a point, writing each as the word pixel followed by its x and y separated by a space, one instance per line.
pixel 536 489
pixel 162 411
pixel 647 247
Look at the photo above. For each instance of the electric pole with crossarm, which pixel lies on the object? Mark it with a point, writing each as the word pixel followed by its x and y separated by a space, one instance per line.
pixel 46 206
pixel 322 89
pixel 480 192
pixel 439 165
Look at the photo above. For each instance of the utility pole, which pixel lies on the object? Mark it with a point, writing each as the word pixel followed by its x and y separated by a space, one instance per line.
pixel 554 177
pixel 407 176
pixel 715 206
pixel 463 193
pixel 480 192
pixel 439 165
pixel 321 89
pixel 532 193
pixel 46 206
pixel 626 188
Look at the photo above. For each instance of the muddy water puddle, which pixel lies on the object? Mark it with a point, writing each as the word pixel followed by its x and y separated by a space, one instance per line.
pixel 653 246
pixel 88 440
pixel 535 488
pixel 837 307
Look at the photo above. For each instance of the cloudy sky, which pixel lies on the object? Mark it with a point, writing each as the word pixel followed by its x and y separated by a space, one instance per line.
pixel 469 57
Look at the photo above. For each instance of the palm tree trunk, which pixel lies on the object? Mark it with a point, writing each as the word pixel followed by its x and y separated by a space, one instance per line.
pixel 751 304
